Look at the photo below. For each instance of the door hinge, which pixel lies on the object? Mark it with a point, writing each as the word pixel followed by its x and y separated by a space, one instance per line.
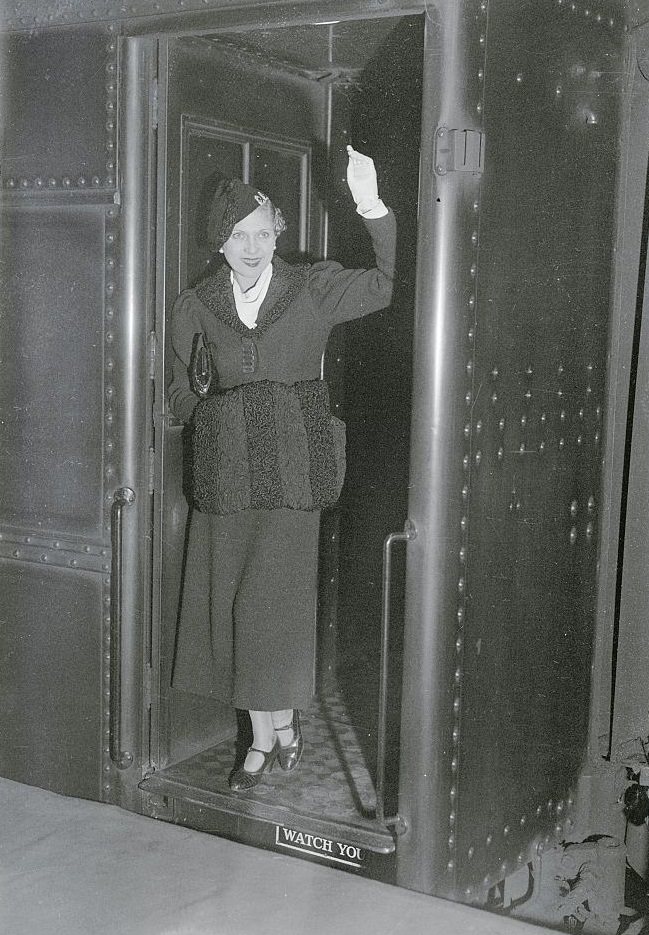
pixel 459 151
pixel 154 103
pixel 151 470
pixel 153 351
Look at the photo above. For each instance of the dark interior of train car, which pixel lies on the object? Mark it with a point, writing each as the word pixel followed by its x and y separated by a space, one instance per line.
pixel 268 106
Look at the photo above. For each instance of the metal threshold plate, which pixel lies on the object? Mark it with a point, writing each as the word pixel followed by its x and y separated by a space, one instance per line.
pixel 331 794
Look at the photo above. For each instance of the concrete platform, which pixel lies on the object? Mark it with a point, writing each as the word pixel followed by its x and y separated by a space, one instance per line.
pixel 72 867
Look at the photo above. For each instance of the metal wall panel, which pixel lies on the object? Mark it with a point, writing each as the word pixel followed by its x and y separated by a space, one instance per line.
pixel 51 451
pixel 507 438
pixel 50 672
pixel 59 104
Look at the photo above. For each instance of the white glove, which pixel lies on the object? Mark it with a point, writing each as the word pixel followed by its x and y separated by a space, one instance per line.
pixel 361 178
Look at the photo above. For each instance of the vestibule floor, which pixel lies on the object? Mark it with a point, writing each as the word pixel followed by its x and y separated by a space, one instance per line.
pixel 335 778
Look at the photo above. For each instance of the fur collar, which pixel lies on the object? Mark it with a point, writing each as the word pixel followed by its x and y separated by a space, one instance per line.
pixel 287 282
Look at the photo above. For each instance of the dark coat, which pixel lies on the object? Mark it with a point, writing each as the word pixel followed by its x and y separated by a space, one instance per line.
pixel 247 626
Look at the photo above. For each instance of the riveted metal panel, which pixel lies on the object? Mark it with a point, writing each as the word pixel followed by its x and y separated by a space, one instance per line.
pixel 509 418
pixel 51 381
pixel 50 677
pixel 526 592
pixel 60 111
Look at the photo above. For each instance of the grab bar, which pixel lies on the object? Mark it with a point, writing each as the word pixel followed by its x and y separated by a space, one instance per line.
pixel 409 533
pixel 122 497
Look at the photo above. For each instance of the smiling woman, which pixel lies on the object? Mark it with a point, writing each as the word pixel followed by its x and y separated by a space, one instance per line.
pixel 267 456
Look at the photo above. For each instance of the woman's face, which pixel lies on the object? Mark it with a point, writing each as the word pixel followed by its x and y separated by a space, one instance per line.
pixel 251 245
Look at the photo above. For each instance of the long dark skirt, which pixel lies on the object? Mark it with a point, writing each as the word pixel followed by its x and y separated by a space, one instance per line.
pixel 246 630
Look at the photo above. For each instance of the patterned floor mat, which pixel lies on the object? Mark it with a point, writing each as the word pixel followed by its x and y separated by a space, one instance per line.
pixel 334 780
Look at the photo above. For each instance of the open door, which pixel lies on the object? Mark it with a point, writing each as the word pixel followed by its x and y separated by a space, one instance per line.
pixel 277 108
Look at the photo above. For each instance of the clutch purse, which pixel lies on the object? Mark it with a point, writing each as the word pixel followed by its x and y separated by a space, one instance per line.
pixel 202 374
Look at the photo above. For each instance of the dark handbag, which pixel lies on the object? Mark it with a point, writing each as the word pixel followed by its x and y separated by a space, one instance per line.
pixel 202 374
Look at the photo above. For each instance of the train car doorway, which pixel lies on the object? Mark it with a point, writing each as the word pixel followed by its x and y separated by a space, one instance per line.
pixel 277 108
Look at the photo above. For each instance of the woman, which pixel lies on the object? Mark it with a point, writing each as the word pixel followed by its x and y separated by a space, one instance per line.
pixel 267 457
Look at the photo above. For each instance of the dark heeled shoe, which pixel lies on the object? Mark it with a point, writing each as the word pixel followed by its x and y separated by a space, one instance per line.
pixel 242 780
pixel 290 755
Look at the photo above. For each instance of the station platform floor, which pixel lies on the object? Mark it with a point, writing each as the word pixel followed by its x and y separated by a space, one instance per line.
pixel 73 867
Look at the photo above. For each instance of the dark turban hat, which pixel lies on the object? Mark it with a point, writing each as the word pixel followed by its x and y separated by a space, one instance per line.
pixel 233 201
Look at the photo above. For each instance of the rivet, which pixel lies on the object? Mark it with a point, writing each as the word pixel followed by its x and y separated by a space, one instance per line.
pixel 562 443
pixel 539 809
pixel 462 554
pixel 591 504
pixel 494 398
pixel 480 74
pixel 473 270
pixel 24 183
pixel 465 492
pixel 16 553
pixel 456 734
pixel 562 415
pixel 458 676
pixel 519 77
pixel 38 182
pixel 501 454
pixel 465 462
pixel 109 363
pixel 456 705
pixel 482 38
pixel 478 107
pixel 469 367
pixel 528 395
pixel 596 438
pixel 460 615
pixel 523 421
pixel 44 557
pixel 506 830
pixel 471 301
pixel 464 523
pixel 501 424
pixel 73 562
pixel 523 820
pixel 110 311
pixel 494 372
pixel 573 535
pixel 521 448
pixel 579 439
pixel 476 205
pixel 544 418
pixel 450 865
pixel 478 426
pixel 66 182
pixel 474 238
pixel 478 458
pixel 589 530
pixel 468 398
pixel 470 852
pixel 467 430
pixel 452 793
pixel 589 390
pixel 454 762
pixel 81 181
pixel 471 334
pixel 574 506
pixel 458 644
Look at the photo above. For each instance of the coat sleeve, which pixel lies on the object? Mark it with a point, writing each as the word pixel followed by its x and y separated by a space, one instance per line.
pixel 184 325
pixel 342 294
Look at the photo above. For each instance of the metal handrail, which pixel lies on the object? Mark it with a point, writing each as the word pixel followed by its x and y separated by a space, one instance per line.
pixel 409 532
pixel 122 497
